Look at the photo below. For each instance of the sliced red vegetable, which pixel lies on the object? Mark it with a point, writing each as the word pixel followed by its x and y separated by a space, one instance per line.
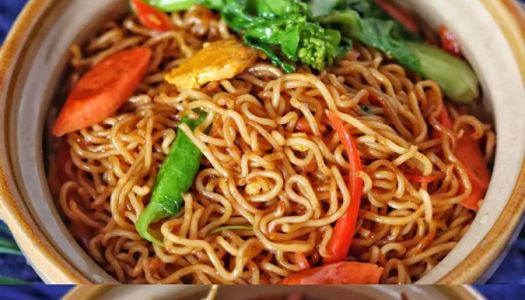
pixel 422 179
pixel 398 14
pixel 449 41
pixel 344 230
pixel 103 90
pixel 301 261
pixel 303 126
pixel 444 119
pixel 151 17
pixel 338 273
pixel 468 152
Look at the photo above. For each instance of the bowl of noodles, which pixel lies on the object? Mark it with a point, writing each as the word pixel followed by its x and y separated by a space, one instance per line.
pixel 263 142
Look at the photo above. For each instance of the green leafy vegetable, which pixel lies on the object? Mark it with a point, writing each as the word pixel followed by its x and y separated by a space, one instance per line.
pixel 171 5
pixel 300 41
pixel 279 8
pixel 318 47
pixel 365 8
pixel 316 32
pixel 380 34
pixel 175 177
pixel 235 13
pixel 282 29
pixel 322 7
pixel 454 75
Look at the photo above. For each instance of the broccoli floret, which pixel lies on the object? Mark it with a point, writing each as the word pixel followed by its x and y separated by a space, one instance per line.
pixel 283 29
pixel 318 47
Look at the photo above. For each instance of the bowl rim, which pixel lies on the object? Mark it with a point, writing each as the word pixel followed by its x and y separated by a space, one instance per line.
pixel 25 231
pixel 509 17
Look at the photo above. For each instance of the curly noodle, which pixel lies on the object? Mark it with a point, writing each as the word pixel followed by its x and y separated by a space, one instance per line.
pixel 260 171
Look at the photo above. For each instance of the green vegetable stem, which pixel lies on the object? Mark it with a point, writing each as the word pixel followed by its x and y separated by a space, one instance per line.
pixel 455 77
pixel 175 177
pixel 282 29
pixel 171 5
pixel 317 32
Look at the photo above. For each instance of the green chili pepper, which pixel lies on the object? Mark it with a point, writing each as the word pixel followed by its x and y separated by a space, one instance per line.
pixel 175 177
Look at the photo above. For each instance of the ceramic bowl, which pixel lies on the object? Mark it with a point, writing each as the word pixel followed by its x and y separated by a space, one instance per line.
pixel 457 292
pixel 33 59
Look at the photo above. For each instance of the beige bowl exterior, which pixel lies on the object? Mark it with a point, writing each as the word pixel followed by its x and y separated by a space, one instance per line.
pixel 492 33
pixel 178 292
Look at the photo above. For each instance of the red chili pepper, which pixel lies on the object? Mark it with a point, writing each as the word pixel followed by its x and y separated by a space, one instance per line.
pixel 344 230
pixel 301 261
pixel 398 14
pixel 468 152
pixel 339 273
pixel 444 119
pixel 151 17
pixel 303 126
pixel 422 179
pixel 449 41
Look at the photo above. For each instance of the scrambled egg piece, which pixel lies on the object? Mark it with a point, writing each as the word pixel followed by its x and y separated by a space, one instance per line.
pixel 218 61
pixel 253 188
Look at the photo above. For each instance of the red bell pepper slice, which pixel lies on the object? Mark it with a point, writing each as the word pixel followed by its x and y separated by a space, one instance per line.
pixel 150 17
pixel 344 230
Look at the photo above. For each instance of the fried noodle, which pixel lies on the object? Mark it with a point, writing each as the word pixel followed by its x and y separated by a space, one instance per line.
pixel 260 172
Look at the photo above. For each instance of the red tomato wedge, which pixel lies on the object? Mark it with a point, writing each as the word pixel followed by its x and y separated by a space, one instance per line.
pixel 150 17
pixel 398 14
pixel 338 273
pixel 449 41
pixel 102 90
